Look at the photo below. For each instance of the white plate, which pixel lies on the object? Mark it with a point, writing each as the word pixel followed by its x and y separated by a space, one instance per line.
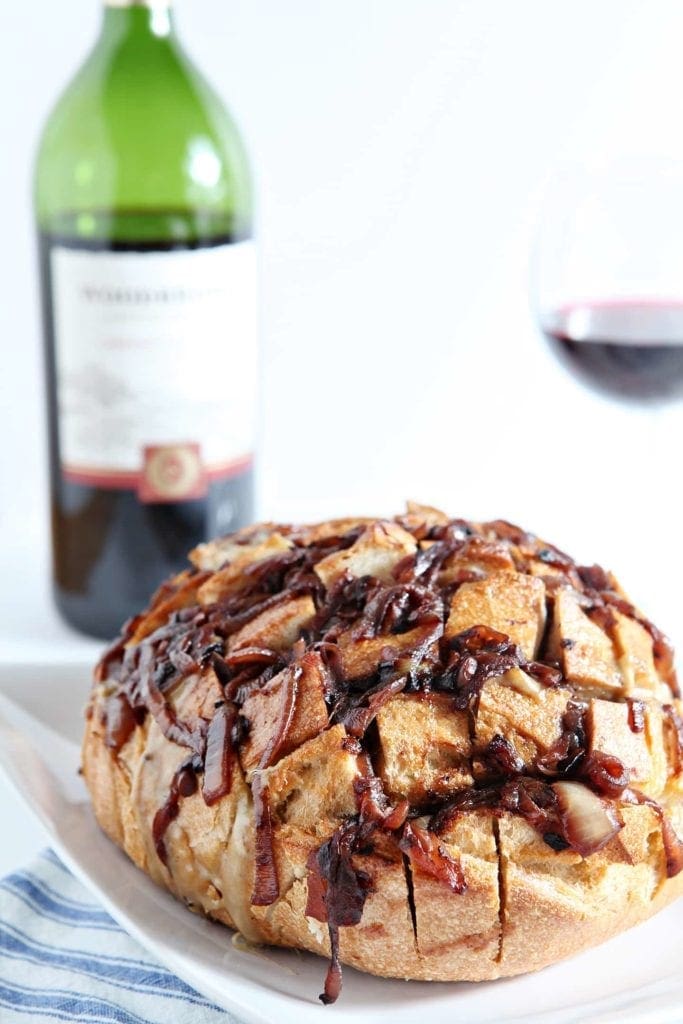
pixel 634 978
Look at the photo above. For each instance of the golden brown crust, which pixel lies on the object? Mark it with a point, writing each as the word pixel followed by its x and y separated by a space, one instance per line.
pixel 554 904
pixel 528 900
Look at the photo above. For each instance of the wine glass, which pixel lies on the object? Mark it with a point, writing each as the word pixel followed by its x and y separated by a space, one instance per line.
pixel 608 275
pixel 608 295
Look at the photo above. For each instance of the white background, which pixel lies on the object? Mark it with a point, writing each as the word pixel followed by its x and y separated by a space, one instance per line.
pixel 402 149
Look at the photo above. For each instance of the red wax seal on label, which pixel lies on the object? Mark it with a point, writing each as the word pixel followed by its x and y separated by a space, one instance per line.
pixel 172 472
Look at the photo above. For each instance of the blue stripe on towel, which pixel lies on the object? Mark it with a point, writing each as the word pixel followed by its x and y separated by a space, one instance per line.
pixel 63 958
pixel 52 891
pixel 47 903
pixel 126 972
pixel 64 1005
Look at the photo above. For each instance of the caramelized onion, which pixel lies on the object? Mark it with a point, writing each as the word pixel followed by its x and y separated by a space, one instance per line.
pixel 374 807
pixel 219 755
pixel 605 773
pixel 477 654
pixel 673 847
pixel 357 718
pixel 533 800
pixel 184 783
pixel 502 757
pixel 290 691
pixel 567 751
pixel 429 856
pixel 119 719
pixel 252 656
pixel 588 822
pixel 337 892
pixel 266 885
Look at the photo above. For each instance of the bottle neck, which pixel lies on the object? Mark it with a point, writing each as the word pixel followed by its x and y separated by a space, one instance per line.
pixel 139 20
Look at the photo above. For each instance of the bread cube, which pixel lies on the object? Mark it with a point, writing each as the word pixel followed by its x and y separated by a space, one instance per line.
pixel 530 724
pixel 450 925
pixel 636 660
pixel 424 747
pixel 360 658
pixel 313 785
pixel 610 733
pixel 232 578
pixel 376 553
pixel 583 648
pixel 276 628
pixel 509 602
pixel 264 709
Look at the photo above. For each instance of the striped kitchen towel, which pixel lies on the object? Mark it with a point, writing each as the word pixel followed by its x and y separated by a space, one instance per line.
pixel 63 958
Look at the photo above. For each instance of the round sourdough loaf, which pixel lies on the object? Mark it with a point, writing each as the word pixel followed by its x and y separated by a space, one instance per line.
pixel 429 748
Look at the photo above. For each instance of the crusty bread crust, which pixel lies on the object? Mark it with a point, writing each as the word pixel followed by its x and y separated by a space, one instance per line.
pixel 525 904
pixel 525 907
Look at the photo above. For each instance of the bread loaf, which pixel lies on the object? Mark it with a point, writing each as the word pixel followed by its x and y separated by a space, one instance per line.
pixel 428 748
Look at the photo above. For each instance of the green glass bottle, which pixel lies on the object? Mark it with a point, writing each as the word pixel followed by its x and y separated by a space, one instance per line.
pixel 148 272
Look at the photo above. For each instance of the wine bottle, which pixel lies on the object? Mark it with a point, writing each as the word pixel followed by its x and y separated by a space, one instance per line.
pixel 148 273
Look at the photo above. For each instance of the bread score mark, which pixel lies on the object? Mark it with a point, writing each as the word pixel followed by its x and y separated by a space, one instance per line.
pixel 428 855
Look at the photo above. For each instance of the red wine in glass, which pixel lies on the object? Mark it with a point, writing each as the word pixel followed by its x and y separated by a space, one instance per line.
pixel 632 349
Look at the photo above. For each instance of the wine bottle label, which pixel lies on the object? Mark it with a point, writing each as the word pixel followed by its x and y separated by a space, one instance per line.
pixel 156 366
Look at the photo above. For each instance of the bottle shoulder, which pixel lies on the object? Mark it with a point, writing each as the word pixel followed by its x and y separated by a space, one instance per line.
pixel 141 127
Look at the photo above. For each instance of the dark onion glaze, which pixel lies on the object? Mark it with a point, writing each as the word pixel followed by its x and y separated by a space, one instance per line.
pixel 365 706
pixel 219 757
pixel 571 746
pixel 184 784
pixel 501 758
pixel 266 885
pixel 373 804
pixel 119 721
pixel 287 707
pixel 604 773
pixel 428 855
pixel 337 890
